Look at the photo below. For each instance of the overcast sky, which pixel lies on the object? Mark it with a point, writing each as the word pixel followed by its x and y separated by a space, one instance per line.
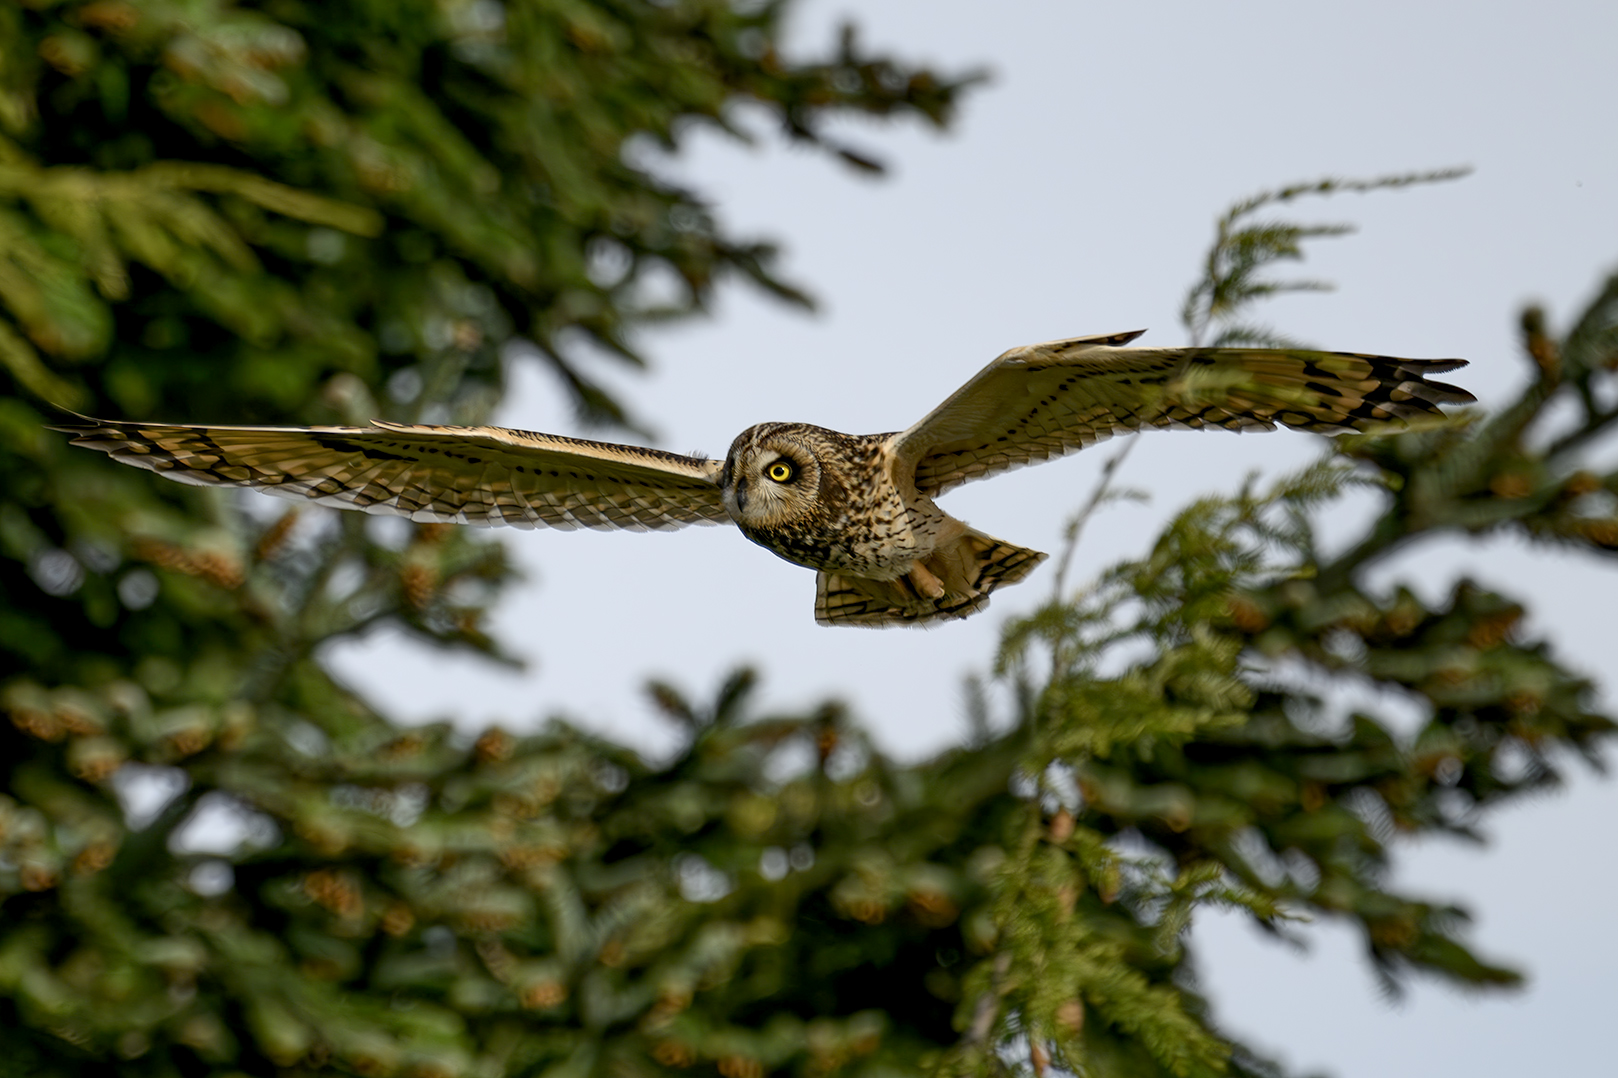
pixel 1076 195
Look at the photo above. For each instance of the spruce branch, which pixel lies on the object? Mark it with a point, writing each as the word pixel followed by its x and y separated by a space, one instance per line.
pixel 1243 249
pixel 1103 494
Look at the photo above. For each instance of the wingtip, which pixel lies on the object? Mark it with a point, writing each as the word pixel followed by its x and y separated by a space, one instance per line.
pixel 80 424
pixel 1111 340
pixel 1442 366
pixel 1442 392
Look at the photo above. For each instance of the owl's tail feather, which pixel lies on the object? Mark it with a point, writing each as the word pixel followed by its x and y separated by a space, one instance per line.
pixel 969 568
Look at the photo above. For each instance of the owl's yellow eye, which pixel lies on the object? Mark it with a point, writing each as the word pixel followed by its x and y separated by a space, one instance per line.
pixel 780 471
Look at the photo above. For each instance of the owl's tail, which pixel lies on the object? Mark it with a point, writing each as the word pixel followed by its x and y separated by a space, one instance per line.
pixel 965 571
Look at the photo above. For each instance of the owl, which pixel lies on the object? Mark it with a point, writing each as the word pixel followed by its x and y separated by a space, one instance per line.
pixel 858 509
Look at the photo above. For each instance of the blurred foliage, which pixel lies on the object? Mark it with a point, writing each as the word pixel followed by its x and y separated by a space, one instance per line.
pixel 214 860
pixel 286 192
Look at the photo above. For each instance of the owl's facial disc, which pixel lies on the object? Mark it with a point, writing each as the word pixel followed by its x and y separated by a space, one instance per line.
pixel 769 481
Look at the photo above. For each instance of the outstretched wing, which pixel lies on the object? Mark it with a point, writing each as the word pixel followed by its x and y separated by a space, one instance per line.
pixel 1043 400
pixel 461 475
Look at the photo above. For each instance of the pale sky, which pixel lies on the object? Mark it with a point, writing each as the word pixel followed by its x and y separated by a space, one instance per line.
pixel 1076 195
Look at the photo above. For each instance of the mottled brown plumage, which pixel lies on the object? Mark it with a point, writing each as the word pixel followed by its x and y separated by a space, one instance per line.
pixel 857 508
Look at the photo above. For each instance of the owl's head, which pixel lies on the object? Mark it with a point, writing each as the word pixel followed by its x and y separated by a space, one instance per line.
pixel 772 475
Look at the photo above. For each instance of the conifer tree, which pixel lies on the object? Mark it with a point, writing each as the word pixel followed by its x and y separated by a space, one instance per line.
pixel 302 213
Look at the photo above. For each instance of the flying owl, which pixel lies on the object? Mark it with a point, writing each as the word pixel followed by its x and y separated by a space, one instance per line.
pixel 858 509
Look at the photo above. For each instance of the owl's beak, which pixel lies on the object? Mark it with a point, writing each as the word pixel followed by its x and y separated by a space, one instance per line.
pixel 740 491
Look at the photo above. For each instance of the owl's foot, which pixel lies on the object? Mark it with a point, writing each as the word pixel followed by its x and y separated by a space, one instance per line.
pixel 925 583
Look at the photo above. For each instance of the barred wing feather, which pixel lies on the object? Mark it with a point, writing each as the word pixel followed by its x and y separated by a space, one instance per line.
pixel 461 475
pixel 1044 400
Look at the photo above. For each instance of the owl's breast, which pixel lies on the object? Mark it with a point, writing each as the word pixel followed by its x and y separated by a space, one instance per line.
pixel 857 524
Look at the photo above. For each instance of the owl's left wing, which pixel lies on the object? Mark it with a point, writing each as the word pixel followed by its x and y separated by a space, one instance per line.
pixel 1044 400
pixel 461 475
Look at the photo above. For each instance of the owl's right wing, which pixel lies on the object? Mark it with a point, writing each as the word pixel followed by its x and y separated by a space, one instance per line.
pixel 461 475
pixel 1044 400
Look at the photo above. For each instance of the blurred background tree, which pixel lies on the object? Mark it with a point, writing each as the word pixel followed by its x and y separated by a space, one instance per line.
pixel 215 860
